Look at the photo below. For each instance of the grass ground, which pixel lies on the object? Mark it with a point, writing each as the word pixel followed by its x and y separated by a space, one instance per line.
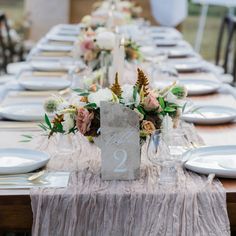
pixel 14 9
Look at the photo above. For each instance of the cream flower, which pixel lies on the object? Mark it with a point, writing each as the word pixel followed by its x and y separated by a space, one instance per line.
pixel 68 122
pixel 127 95
pixel 101 95
pixel 105 40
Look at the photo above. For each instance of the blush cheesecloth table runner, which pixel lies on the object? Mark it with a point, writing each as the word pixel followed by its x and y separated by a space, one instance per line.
pixel 194 206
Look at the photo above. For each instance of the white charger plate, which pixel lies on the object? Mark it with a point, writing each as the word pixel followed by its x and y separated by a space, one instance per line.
pixel 219 160
pixel 23 112
pixel 210 115
pixel 44 83
pixel 52 48
pixel 19 160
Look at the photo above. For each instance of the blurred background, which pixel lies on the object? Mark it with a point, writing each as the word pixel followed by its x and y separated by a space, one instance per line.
pixel 19 13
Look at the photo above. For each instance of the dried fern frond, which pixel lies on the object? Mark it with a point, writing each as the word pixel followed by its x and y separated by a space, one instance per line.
pixel 142 82
pixel 116 88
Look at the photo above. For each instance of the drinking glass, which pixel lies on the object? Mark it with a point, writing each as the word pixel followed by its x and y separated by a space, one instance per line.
pixel 165 151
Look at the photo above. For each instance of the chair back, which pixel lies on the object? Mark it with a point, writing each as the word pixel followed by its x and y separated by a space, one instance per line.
pixel 6 45
pixel 228 28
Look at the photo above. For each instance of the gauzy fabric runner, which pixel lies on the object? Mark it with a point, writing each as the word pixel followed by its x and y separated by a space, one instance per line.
pixel 194 206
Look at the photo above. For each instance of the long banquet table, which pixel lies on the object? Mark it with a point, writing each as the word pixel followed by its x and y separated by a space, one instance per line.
pixel 15 205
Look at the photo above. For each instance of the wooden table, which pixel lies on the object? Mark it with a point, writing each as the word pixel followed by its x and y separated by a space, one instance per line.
pixel 15 205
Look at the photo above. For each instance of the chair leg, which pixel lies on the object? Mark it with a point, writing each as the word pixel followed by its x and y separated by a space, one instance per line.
pixel 219 41
pixel 228 47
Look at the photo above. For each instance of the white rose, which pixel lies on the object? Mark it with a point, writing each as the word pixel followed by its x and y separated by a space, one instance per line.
pixel 105 40
pixel 101 95
pixel 171 98
pixel 100 30
pixel 127 95
pixel 68 122
pixel 75 100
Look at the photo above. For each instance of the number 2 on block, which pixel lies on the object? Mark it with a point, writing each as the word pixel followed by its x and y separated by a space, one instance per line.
pixel 121 156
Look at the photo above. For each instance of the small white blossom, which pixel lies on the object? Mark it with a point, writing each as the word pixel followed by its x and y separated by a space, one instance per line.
pixel 127 95
pixel 101 95
pixel 68 122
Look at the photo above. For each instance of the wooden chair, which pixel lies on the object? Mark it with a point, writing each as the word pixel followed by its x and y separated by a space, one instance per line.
pixel 10 51
pixel 228 22
pixel 7 48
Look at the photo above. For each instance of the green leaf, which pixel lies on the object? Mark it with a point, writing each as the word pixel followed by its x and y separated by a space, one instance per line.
pixel 135 92
pixel 140 109
pixel 162 102
pixel 42 126
pixel 27 136
pixel 169 109
pixel 25 141
pixel 78 90
pixel 85 94
pixel 47 121
pixel 91 105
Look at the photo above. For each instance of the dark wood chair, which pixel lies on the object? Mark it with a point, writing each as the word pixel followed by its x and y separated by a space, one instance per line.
pixel 9 50
pixel 228 25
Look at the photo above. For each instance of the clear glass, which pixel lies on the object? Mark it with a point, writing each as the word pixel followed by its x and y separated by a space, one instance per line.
pixel 165 151
pixel 67 144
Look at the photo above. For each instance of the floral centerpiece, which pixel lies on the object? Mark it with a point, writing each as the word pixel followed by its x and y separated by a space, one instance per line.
pixel 82 114
pixel 95 46
pixel 121 13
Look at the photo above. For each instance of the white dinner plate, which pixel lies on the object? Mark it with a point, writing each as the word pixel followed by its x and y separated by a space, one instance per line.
pixel 180 53
pixel 6 78
pixel 210 115
pixel 166 42
pixel 219 160
pixel 44 83
pixel 19 160
pixel 189 67
pixel 200 87
pixel 23 112
pixel 16 67
pixel 48 66
pixel 193 86
pixel 52 48
pixel 66 38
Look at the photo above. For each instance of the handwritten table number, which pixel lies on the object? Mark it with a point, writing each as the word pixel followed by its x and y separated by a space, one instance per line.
pixel 120 144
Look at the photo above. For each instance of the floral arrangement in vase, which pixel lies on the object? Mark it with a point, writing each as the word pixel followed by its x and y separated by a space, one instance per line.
pixel 95 47
pixel 82 113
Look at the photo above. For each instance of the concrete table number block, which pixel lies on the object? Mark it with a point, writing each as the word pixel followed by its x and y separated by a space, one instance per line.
pixel 120 142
